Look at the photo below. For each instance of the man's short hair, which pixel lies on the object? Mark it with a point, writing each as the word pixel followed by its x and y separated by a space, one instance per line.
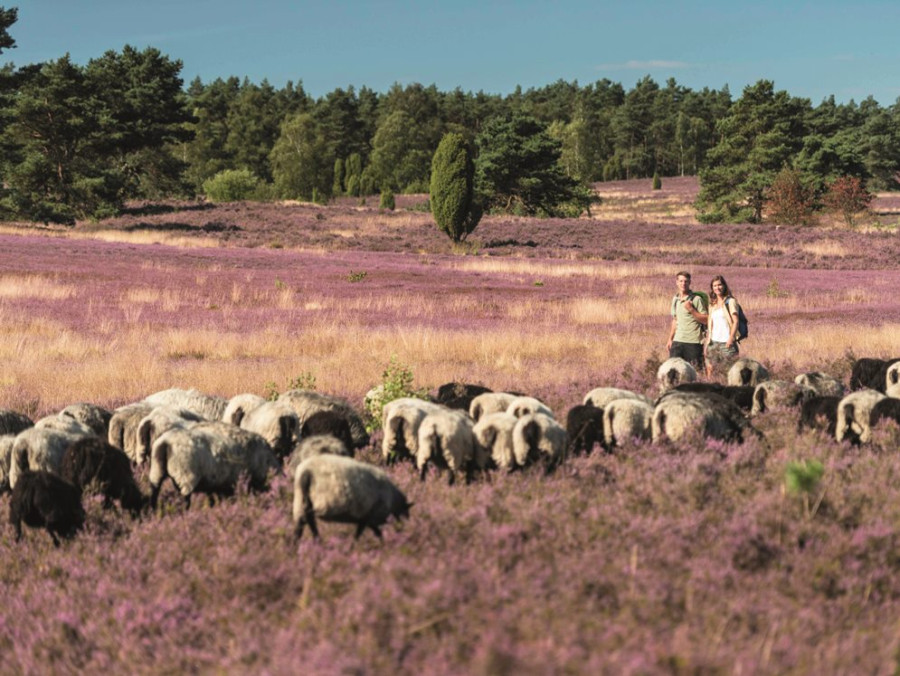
pixel 686 275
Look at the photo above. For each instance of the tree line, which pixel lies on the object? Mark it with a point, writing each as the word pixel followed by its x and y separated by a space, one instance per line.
pixel 79 141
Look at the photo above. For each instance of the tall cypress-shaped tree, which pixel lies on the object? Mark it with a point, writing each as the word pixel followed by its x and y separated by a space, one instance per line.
pixel 452 188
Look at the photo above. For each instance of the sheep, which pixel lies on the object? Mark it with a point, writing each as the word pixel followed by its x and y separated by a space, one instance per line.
pixel 821 384
pixel 892 375
pixel 333 488
pixel 123 427
pixel 401 419
pixel 522 406
pixel 209 458
pixel 715 388
pixel 41 448
pixel 276 422
pixel 94 461
pixel 870 373
pixel 747 372
pixel 853 415
pixel 626 419
pixel 62 423
pixel 770 393
pixel 680 414
pixel 674 371
pixel 493 434
pixel 601 396
pixel 319 444
pixel 459 395
pixel 445 438
pixel 742 395
pixel 156 423
pixel 893 391
pixel 307 402
pixel 44 500
pixel 819 412
pixel 490 402
pixel 329 423
pixel 537 437
pixel 584 426
pixel 95 417
pixel 207 406
pixel 6 449
pixel 12 422
pixel 885 409
pixel 239 405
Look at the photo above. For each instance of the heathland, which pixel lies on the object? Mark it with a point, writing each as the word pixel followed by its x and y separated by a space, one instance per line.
pixel 654 559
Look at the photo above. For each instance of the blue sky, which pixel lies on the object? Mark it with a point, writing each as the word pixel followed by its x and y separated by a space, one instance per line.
pixel 810 49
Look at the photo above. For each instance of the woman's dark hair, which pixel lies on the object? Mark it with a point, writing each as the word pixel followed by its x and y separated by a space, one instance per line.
pixel 725 290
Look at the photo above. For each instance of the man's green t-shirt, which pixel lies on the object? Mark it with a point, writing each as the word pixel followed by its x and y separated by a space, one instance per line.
pixel 688 329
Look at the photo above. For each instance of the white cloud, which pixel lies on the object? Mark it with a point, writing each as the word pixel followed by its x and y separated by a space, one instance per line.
pixel 642 65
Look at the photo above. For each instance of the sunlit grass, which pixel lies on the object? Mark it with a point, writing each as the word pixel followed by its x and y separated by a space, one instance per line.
pixel 34 286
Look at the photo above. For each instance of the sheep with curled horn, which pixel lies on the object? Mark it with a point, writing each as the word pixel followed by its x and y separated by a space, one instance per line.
pixel 747 372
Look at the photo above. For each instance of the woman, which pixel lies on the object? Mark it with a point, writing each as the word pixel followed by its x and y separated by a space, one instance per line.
pixel 721 345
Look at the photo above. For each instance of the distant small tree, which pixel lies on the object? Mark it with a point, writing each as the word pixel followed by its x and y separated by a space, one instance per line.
pixel 453 203
pixel 657 182
pixel 848 196
pixel 231 185
pixel 789 200
pixel 387 200
pixel 338 187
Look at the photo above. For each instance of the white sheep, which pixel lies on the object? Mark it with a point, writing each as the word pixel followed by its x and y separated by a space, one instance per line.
pixel 62 423
pixel 626 419
pixel 209 457
pixel 95 417
pixel 601 396
pixel 683 414
pixel 42 448
pixel 771 393
pixel 490 402
pixel 123 427
pixel 401 419
pixel 307 402
pixel 207 406
pixel 334 488
pixel 156 423
pixel 853 414
pixel 747 372
pixel 893 391
pixel 493 433
pixel 539 438
pixel 276 422
pixel 320 444
pixel 821 384
pixel 6 449
pixel 892 376
pixel 522 406
pixel 239 405
pixel 675 371
pixel 446 439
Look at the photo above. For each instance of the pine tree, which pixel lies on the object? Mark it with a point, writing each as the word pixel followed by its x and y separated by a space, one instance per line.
pixel 452 188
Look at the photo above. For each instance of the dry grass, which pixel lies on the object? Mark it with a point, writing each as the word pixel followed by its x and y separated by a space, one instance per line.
pixel 34 286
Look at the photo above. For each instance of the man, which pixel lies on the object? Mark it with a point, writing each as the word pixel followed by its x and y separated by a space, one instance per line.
pixel 689 316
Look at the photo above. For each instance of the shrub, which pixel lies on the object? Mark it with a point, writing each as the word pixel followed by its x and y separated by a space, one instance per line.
pixel 231 185
pixel 657 182
pixel 387 200
pixel 396 382
pixel 790 201
pixel 452 188
pixel 848 196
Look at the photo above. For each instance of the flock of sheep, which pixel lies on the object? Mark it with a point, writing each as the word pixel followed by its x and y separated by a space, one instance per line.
pixel 206 444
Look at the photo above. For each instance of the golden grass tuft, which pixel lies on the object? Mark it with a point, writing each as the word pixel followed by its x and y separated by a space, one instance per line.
pixel 35 286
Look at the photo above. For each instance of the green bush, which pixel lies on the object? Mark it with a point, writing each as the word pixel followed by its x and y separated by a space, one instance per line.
pixel 452 198
pixel 657 181
pixel 387 200
pixel 231 185
pixel 396 382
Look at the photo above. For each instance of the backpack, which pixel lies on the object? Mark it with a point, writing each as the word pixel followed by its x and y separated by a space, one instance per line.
pixel 743 330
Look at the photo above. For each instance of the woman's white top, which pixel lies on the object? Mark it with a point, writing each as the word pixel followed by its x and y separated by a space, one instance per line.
pixel 721 329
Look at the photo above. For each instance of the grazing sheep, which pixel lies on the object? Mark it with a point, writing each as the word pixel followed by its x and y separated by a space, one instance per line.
pixel 44 500
pixel 92 461
pixel 333 488
pixel 12 422
pixel 307 402
pixel 715 388
pixel 319 444
pixel 329 423
pixel 853 415
pixel 682 414
pixel 400 420
pixel 870 373
pixel 156 423
pixel 445 438
pixel 6 449
pixel 771 393
pixel 893 391
pixel 490 402
pixel 209 458
pixel 892 375
pixel 276 422
pixel 819 413
pixel 95 417
pixel 674 371
pixel 123 428
pixel 206 406
pixel 625 419
pixel 821 384
pixel 601 396
pixel 459 395
pixel 65 424
pixel 522 406
pixel 539 438
pixel 40 448
pixel 239 405
pixel 885 409
pixel 493 434
pixel 742 395
pixel 747 372
pixel 584 425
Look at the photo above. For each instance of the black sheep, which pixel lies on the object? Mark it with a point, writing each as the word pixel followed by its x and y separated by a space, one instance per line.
pixel 871 373
pixel 13 423
pixel 886 409
pixel 328 422
pixel 44 500
pixel 742 395
pixel 584 425
pixel 819 413
pixel 459 395
pixel 92 460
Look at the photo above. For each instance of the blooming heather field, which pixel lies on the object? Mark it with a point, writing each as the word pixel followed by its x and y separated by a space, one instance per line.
pixel 694 558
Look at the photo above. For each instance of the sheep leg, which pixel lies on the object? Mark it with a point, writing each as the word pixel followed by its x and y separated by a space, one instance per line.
pixel 53 535
pixel 298 529
pixel 423 472
pixel 17 525
pixel 154 496
pixel 360 527
pixel 377 531
pixel 452 479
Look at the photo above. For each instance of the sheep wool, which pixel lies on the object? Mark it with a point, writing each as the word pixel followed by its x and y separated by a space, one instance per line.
pixel 821 384
pixel 276 422
pixel 123 428
pixel 40 449
pixel 771 393
pixel 239 405
pixel 446 439
pixel 674 371
pixel 44 500
pixel 95 417
pixel 746 371
pixel 206 406
pixel 401 420
pixel 539 438
pixel 493 434
pixel 156 423
pixel 320 444
pixel 93 463
pixel 490 402
pixel 6 448
pixel 853 416
pixel 522 406
pixel 680 415
pixel 12 422
pixel 625 420
pixel 307 402
pixel 601 396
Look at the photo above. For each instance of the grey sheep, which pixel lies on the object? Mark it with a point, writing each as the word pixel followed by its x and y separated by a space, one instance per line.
pixel 400 421
pixel 854 414
pixel 207 406
pixel 209 458
pixel 40 449
pixel 12 422
pixel 892 375
pixel 123 428
pixel 239 405
pixel 156 423
pixel 747 372
pixel 276 422
pixel 333 488
pixel 446 439
pixel 821 384
pixel 772 393
pixel 6 448
pixel 307 402
pixel 44 500
pixel 674 371
pixel 626 419
pixel 538 438
pixel 493 434
pixel 601 396
pixel 522 406
pixel 95 417
pixel 93 463
pixel 490 402
pixel 62 423
pixel 320 444
pixel 679 415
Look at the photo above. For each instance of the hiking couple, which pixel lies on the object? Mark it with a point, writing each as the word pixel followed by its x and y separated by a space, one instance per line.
pixel 704 330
